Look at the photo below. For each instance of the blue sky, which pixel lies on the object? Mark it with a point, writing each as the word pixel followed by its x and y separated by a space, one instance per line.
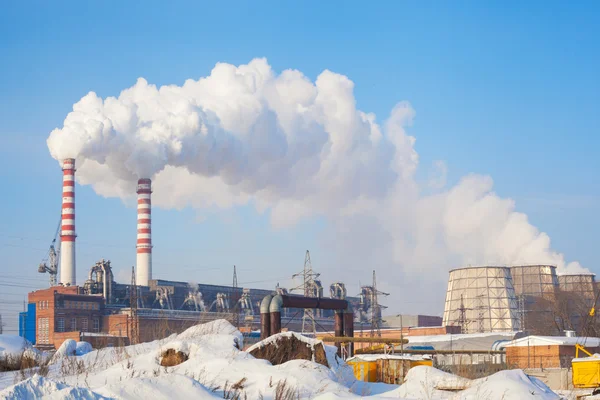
pixel 509 90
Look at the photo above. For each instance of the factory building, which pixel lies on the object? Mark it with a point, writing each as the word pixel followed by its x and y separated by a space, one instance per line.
pixel 104 312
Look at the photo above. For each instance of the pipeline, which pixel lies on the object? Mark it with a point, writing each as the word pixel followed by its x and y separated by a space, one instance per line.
pixel 265 322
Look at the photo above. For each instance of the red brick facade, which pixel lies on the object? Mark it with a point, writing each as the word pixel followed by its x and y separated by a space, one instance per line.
pixel 62 313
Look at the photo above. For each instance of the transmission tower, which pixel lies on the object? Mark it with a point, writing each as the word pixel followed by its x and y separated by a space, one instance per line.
pixel 309 324
pixel 480 314
pixel 376 309
pixel 133 300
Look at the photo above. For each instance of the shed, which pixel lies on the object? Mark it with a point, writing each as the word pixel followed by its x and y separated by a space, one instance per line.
pixel 386 368
pixel 547 351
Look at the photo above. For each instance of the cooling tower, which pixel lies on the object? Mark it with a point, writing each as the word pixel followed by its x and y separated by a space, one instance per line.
pixel 582 284
pixel 481 299
pixel 67 228
pixel 535 281
pixel 143 272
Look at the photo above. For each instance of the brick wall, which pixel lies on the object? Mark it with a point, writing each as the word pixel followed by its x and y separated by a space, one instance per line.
pixel 547 356
pixel 60 337
pixel 57 307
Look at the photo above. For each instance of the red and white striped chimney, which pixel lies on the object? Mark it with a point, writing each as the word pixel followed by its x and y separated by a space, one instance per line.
pixel 143 271
pixel 67 229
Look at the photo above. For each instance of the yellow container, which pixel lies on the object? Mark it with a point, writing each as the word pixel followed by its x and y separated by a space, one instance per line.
pixel 383 368
pixel 365 371
pixel 586 372
pixel 416 363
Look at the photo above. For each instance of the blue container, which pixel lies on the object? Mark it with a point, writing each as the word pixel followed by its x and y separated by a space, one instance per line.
pixel 27 323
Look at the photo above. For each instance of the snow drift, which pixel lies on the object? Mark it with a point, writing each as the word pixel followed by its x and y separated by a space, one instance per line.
pixel 216 368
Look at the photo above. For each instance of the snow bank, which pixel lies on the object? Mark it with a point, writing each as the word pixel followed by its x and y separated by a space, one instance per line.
pixel 14 346
pixel 218 327
pixel 216 365
pixel 38 387
pixel 422 382
pixel 429 383
pixel 83 348
pixel 508 385
pixel 68 348
pixel 167 388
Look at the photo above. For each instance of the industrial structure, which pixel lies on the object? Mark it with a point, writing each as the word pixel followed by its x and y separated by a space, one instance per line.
pixel 144 232
pixel 582 284
pixel 532 298
pixel 67 233
pixel 145 308
pixel 481 299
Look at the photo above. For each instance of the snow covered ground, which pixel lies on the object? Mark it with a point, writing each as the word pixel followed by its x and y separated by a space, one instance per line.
pixel 217 369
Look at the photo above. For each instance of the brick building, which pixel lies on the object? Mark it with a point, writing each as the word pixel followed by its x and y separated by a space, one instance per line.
pixel 62 312
pixel 546 351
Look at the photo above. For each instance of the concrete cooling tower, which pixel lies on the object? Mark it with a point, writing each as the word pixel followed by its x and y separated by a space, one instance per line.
pixel 534 281
pixel 582 284
pixel 481 299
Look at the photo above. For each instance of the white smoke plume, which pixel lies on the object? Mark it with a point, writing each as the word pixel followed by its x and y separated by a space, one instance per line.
pixel 296 149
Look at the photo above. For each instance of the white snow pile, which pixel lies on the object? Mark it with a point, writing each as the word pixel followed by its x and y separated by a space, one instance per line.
pixel 217 369
pixel 425 382
pixel 15 346
pixel 83 348
pixel 68 348
pixel 39 387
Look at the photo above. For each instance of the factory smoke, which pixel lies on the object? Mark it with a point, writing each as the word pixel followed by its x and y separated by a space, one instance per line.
pixel 296 149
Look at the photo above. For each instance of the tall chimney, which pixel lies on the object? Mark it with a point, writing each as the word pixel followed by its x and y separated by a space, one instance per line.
pixel 143 272
pixel 67 228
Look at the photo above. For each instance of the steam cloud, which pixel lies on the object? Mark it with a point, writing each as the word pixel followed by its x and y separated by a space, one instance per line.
pixel 298 149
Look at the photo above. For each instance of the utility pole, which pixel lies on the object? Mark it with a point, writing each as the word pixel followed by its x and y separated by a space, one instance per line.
pixel 308 282
pixel 133 300
pixel 1 324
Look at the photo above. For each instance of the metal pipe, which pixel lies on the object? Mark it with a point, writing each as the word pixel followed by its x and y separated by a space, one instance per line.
pixel 313 302
pixel 349 327
pixel 344 339
pixel 339 329
pixel 265 321
pixel 275 308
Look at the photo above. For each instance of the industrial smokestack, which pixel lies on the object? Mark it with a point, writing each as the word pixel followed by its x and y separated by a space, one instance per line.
pixel 144 233
pixel 67 229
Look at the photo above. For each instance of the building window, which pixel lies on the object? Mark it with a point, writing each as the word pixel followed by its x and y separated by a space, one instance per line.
pixel 43 326
pixel 73 324
pixel 60 325
pixel 84 324
pixel 96 325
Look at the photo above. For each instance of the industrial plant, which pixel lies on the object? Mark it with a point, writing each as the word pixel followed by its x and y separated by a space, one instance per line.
pixel 106 312
pixel 488 311
pixel 531 298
